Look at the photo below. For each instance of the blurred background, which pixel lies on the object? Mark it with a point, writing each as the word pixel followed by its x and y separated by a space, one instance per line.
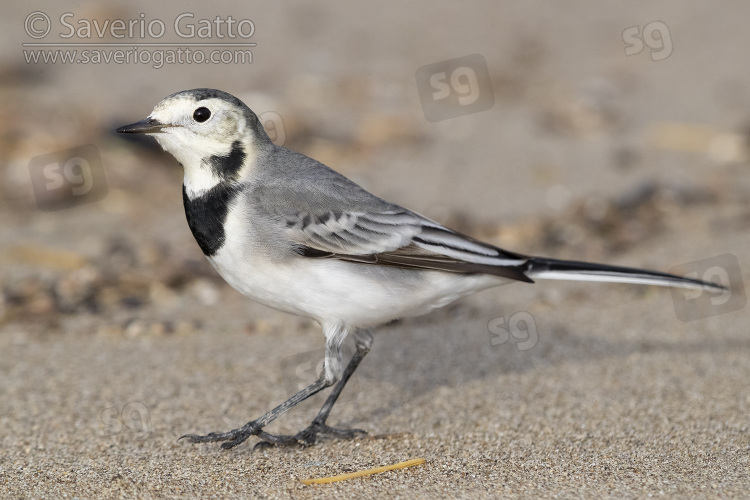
pixel 536 127
pixel 603 131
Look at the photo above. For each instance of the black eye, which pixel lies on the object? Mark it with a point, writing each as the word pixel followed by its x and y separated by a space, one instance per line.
pixel 201 115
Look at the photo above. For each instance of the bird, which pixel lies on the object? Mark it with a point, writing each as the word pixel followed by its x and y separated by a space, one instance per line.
pixel 289 232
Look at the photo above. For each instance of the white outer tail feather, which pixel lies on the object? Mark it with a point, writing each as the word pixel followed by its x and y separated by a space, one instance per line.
pixel 572 276
pixel 552 269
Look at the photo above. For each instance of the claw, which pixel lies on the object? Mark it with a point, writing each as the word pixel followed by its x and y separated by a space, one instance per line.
pixel 231 444
pixel 306 437
pixel 260 445
pixel 232 438
pixel 211 437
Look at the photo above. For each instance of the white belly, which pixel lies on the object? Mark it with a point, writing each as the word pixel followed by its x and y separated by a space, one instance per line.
pixel 330 290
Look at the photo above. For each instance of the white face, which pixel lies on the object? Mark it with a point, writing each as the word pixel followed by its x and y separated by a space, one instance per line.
pixel 193 142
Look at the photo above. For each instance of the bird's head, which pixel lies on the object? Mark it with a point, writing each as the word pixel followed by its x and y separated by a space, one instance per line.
pixel 212 134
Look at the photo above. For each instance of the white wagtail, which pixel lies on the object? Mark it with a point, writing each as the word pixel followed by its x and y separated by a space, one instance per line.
pixel 289 232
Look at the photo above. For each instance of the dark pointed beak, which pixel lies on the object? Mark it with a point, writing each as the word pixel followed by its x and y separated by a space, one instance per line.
pixel 145 126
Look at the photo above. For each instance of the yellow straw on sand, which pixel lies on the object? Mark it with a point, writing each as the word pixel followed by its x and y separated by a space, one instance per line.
pixel 377 470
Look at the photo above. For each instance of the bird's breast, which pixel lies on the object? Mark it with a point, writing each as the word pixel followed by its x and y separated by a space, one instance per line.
pixel 207 216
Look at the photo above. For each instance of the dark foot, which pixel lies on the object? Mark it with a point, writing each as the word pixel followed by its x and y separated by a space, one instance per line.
pixel 232 438
pixel 307 437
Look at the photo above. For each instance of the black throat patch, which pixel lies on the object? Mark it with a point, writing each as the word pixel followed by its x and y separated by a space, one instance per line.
pixel 206 215
pixel 227 167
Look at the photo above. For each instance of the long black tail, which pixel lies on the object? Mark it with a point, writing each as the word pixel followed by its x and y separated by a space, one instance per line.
pixel 543 268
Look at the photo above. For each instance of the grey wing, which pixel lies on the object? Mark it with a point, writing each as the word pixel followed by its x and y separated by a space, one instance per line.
pixel 326 215
pixel 398 237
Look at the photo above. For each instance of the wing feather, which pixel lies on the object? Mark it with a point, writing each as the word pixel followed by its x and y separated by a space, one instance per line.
pixel 398 238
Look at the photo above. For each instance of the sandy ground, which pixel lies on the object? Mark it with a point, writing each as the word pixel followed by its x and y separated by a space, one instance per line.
pixel 117 337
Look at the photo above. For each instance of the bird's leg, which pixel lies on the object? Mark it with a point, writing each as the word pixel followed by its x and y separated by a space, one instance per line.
pixel 237 436
pixel 308 436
